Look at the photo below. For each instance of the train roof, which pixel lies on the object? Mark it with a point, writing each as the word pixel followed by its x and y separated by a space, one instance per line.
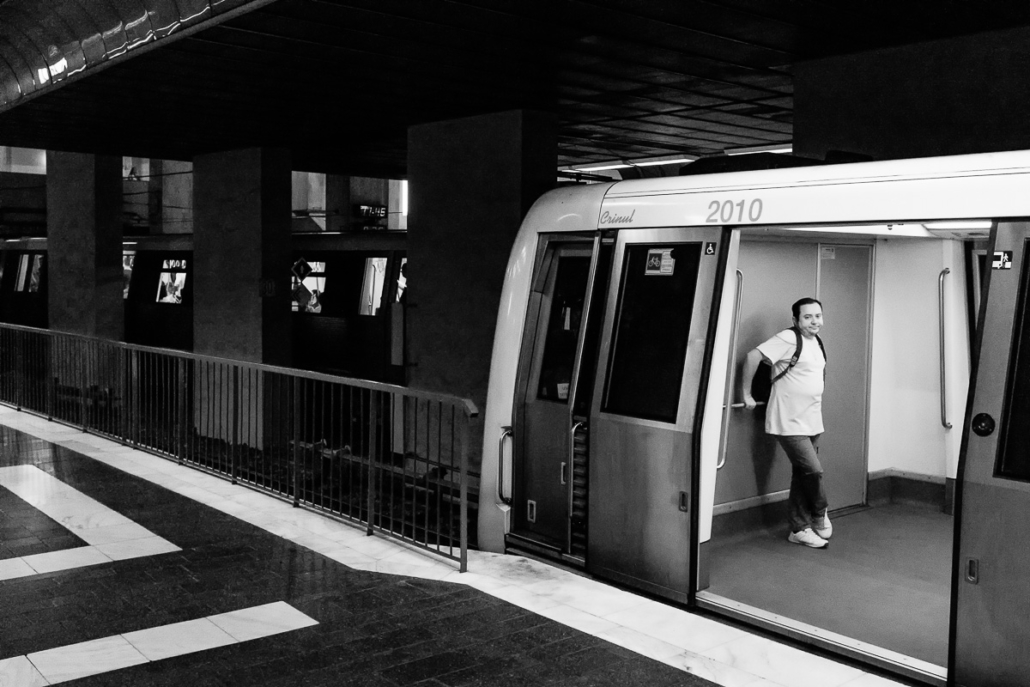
pixel 1008 162
pixel 907 194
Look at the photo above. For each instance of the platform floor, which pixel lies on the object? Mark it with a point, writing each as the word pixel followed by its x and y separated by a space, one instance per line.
pixel 122 568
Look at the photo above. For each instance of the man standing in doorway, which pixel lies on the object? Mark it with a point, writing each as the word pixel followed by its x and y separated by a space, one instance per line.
pixel 795 417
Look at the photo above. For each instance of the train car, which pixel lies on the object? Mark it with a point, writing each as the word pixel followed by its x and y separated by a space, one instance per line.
pixel 615 439
pixel 159 291
pixel 348 304
pixel 348 297
pixel 23 282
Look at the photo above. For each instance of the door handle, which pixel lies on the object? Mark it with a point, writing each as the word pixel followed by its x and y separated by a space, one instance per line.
pixel 561 473
pixel 944 381
pixel 684 502
pixel 505 433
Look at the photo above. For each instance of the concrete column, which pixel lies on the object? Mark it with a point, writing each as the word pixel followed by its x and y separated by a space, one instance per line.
pixel 176 185
pixel 471 182
pixel 954 96
pixel 337 202
pixel 84 237
pixel 241 255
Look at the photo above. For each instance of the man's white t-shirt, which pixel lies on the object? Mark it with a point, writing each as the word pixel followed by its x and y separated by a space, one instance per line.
pixel 796 401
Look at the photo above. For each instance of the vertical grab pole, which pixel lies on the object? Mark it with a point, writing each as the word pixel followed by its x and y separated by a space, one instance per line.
pixel 731 375
pixel 944 381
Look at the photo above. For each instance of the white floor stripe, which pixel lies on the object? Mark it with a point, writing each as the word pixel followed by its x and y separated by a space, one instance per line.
pixel 111 536
pixel 104 655
pixel 19 672
pixel 87 658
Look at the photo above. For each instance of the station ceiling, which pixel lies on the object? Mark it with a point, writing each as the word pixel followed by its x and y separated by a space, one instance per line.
pixel 340 81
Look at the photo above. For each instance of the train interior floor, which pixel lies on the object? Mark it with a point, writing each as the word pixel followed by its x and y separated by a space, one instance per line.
pixel 122 568
pixel 884 579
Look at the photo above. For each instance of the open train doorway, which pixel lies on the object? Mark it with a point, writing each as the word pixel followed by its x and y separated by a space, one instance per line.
pixel 897 351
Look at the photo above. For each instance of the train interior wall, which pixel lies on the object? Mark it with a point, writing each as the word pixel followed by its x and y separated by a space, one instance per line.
pixel 884 581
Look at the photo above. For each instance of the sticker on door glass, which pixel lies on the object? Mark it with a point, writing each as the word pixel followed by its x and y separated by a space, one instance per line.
pixel 660 262
pixel 1002 260
pixel 827 252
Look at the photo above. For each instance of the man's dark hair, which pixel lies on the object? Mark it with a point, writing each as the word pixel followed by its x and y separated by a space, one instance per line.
pixel 796 308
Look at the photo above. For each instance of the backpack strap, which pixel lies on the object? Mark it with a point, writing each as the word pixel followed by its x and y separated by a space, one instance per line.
pixel 793 358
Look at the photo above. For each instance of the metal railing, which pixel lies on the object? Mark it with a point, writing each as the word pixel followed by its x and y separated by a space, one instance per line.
pixel 395 459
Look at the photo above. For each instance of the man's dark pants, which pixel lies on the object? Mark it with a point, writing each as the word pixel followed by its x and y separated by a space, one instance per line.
pixel 807 501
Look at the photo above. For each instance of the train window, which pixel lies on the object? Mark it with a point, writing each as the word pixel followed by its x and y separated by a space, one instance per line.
pixel 563 328
pixel 172 282
pixel 372 286
pixel 23 271
pixel 128 258
pixel 308 285
pixel 1014 452
pixel 37 273
pixel 30 269
pixel 652 323
pixel 402 280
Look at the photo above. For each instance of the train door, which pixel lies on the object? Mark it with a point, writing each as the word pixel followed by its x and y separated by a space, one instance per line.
pixel 896 335
pixel 546 474
pixel 992 585
pixel 642 429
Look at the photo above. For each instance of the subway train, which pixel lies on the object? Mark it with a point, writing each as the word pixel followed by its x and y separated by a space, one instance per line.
pixel 348 297
pixel 616 442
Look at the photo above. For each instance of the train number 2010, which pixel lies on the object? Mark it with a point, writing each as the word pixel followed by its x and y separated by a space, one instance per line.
pixel 727 211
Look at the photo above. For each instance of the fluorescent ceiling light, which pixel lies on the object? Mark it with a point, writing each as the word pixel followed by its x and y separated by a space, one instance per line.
pixel 785 148
pixel 626 164
pixel 652 163
pixel 960 224
pixel 601 168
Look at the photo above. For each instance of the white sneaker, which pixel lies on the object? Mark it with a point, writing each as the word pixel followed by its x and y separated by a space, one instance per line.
pixel 823 527
pixel 808 538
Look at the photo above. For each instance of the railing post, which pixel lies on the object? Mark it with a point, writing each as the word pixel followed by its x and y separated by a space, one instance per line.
pixel 235 421
pixel 464 515
pixel 19 367
pixel 51 388
pixel 83 376
pixel 372 422
pixel 296 441
pixel 134 385
pixel 181 390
